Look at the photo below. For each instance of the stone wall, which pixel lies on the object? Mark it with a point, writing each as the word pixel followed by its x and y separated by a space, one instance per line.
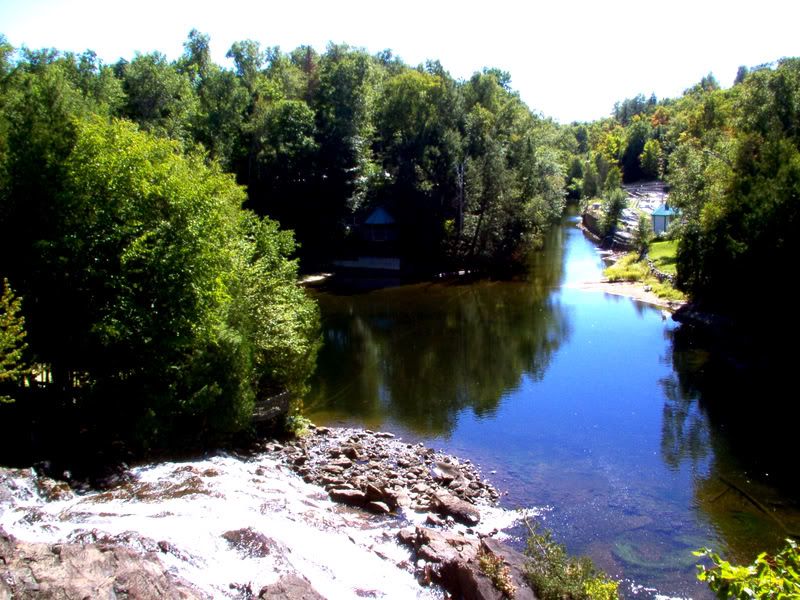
pixel 660 275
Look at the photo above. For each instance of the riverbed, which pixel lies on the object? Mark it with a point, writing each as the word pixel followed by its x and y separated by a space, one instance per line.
pixel 587 406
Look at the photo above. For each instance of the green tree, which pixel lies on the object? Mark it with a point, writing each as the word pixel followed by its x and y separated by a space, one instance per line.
pixel 643 235
pixel 651 159
pixel 12 341
pixel 158 96
pixel 735 173
pixel 614 203
pixel 174 301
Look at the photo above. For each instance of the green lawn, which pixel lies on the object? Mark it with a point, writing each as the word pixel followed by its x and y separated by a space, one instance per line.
pixel 663 255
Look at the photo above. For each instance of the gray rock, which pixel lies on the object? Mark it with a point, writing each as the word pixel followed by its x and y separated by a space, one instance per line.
pixel 349 497
pixel 452 560
pixel 65 571
pixel 290 587
pixel 378 507
pixel 447 504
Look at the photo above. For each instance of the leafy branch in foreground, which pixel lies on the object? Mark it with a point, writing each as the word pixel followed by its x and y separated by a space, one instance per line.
pixel 775 577
pixel 554 575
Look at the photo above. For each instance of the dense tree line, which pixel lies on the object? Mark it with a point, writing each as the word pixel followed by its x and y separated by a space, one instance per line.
pixel 150 297
pixel 141 278
pixel 470 174
pixel 730 157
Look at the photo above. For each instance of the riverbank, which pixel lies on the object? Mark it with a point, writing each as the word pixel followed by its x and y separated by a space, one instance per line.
pixel 628 289
pixel 375 517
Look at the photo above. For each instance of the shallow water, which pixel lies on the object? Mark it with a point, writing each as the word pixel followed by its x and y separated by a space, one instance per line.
pixel 584 403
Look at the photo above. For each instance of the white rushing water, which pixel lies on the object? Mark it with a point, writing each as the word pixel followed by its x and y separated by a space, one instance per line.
pixel 291 527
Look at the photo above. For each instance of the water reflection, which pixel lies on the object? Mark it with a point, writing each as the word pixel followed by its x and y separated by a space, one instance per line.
pixel 420 354
pixel 724 402
pixel 642 441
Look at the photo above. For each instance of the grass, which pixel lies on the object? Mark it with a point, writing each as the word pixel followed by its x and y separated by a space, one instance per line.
pixel 627 268
pixel 630 268
pixel 663 255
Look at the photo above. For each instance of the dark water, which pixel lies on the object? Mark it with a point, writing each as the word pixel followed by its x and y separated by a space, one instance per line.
pixel 588 404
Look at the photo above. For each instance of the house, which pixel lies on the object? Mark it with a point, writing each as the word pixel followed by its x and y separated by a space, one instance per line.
pixel 379 226
pixel 374 247
pixel 662 217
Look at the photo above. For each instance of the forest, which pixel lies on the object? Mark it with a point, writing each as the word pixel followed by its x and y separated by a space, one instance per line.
pixel 155 215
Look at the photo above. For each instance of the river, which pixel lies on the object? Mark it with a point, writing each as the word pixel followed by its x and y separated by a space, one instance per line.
pixel 589 406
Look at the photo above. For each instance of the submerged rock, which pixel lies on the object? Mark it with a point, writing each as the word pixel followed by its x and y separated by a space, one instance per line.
pixel 250 543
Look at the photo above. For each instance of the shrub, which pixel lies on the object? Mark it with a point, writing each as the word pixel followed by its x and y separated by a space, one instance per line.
pixel 498 572
pixel 771 577
pixel 554 575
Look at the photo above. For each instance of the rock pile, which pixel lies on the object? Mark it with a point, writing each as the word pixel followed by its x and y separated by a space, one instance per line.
pixel 380 473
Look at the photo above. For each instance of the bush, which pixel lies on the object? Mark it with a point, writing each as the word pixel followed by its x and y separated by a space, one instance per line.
pixel 554 575
pixel 498 572
pixel 771 577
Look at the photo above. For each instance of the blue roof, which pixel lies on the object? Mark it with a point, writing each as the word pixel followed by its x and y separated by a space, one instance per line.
pixel 379 216
pixel 664 211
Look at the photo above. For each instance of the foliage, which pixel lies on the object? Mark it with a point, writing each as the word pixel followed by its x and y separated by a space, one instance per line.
pixel 614 202
pixel 651 159
pixel 498 572
pixel 628 268
pixel 472 176
pixel 554 575
pixel 172 300
pixel 298 425
pixel 769 576
pixel 737 176
pixel 12 341
pixel 643 234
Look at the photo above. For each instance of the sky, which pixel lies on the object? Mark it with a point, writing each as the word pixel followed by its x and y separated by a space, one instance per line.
pixel 569 59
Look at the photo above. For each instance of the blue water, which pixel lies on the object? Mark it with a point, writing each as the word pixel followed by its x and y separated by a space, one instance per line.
pixel 571 399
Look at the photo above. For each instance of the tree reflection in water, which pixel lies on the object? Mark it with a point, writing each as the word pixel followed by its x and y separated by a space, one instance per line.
pixel 419 354
pixel 728 404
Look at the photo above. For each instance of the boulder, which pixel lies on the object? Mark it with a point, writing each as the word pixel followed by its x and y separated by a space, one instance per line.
pixel 453 561
pixel 447 504
pixel 349 497
pixel 250 543
pixel 290 587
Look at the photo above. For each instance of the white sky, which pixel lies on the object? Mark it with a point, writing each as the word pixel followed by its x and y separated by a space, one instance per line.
pixel 569 59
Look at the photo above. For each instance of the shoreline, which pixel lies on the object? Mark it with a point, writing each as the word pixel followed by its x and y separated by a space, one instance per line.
pixel 628 289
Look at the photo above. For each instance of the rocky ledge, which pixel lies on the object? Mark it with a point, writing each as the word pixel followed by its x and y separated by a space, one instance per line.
pixel 468 567
pixel 380 473
pixel 75 570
